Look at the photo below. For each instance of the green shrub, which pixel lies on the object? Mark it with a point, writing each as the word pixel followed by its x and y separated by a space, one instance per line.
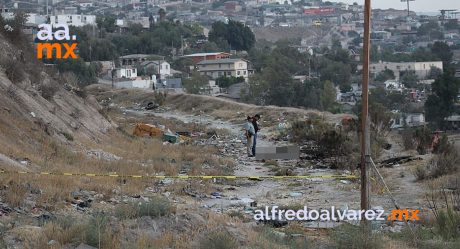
pixel 421 172
pixel 68 136
pixel 95 229
pixel 353 237
pixel 220 240
pixel 156 207
pixel 448 223
pixel 444 163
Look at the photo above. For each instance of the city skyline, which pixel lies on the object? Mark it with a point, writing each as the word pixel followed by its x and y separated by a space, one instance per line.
pixel 418 5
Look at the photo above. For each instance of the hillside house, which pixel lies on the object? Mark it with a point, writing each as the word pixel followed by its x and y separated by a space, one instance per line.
pixel 225 67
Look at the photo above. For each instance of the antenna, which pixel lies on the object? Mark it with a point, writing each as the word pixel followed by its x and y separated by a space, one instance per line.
pixel 408 5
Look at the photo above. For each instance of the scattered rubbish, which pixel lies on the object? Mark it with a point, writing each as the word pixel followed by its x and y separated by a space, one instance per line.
pixel 102 155
pixel 166 181
pixel 295 194
pixel 141 130
pixel 395 161
pixel 276 223
pixel 33 114
pixel 216 195
pixel 247 201
pixel 171 138
pixel 345 181
pixel 151 106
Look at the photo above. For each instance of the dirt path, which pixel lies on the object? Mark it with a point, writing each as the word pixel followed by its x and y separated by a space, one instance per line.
pixel 314 192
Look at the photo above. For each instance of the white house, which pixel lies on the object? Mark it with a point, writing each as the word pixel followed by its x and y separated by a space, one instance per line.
pixel 135 83
pixel 73 20
pixel 421 69
pixel 393 85
pixel 409 120
pixel 126 72
pixel 161 68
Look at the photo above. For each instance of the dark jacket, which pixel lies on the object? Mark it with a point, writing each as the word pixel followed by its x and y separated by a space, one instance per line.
pixel 256 126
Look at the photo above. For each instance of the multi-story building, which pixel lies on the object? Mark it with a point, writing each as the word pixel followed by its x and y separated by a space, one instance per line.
pixel 73 20
pixel 421 69
pixel 225 67
pixel 207 56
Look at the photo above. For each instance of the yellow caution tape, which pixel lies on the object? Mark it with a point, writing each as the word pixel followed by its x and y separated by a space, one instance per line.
pixel 230 177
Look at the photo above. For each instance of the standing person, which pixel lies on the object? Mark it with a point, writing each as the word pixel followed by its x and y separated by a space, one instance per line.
pixel 249 132
pixel 256 129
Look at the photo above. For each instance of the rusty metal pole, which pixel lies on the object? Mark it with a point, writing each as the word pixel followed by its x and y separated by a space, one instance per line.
pixel 365 147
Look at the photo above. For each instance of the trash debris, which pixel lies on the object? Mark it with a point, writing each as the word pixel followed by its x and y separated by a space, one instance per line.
pixel 398 160
pixel 295 194
pixel 171 138
pixel 102 155
pixel 151 106
pixel 141 130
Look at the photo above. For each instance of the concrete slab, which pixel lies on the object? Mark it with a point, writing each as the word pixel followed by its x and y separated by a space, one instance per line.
pixel 282 152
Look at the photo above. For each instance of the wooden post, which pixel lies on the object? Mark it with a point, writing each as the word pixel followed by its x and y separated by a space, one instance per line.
pixel 365 147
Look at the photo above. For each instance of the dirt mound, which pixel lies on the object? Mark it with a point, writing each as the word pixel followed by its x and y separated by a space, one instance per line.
pixel 216 107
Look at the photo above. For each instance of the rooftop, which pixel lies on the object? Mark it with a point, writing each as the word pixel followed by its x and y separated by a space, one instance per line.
pixel 219 61
pixel 205 54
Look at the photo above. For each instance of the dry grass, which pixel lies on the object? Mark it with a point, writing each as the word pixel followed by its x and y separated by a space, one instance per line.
pixel 140 156
pixel 15 191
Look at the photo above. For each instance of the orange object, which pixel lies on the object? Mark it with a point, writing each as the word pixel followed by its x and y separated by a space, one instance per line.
pixel 147 129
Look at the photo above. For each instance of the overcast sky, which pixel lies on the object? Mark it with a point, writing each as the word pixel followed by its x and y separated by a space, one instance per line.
pixel 418 5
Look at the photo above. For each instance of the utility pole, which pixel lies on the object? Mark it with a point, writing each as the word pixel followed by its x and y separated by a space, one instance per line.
pixel 408 6
pixel 365 138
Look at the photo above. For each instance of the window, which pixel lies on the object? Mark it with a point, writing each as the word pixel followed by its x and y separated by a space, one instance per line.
pixel 241 64
pixel 238 72
pixel 134 70
pixel 166 66
pixel 161 67
pixel 220 74
pixel 229 65
pixel 244 72
pixel 220 65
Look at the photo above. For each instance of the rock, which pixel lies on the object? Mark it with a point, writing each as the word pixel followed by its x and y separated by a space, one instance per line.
pixel 52 242
pixel 102 155
pixel 345 181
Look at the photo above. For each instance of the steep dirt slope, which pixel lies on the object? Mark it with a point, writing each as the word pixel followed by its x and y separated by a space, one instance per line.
pixel 35 108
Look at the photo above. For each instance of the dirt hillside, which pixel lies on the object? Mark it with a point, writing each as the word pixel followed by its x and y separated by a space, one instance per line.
pixel 35 106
